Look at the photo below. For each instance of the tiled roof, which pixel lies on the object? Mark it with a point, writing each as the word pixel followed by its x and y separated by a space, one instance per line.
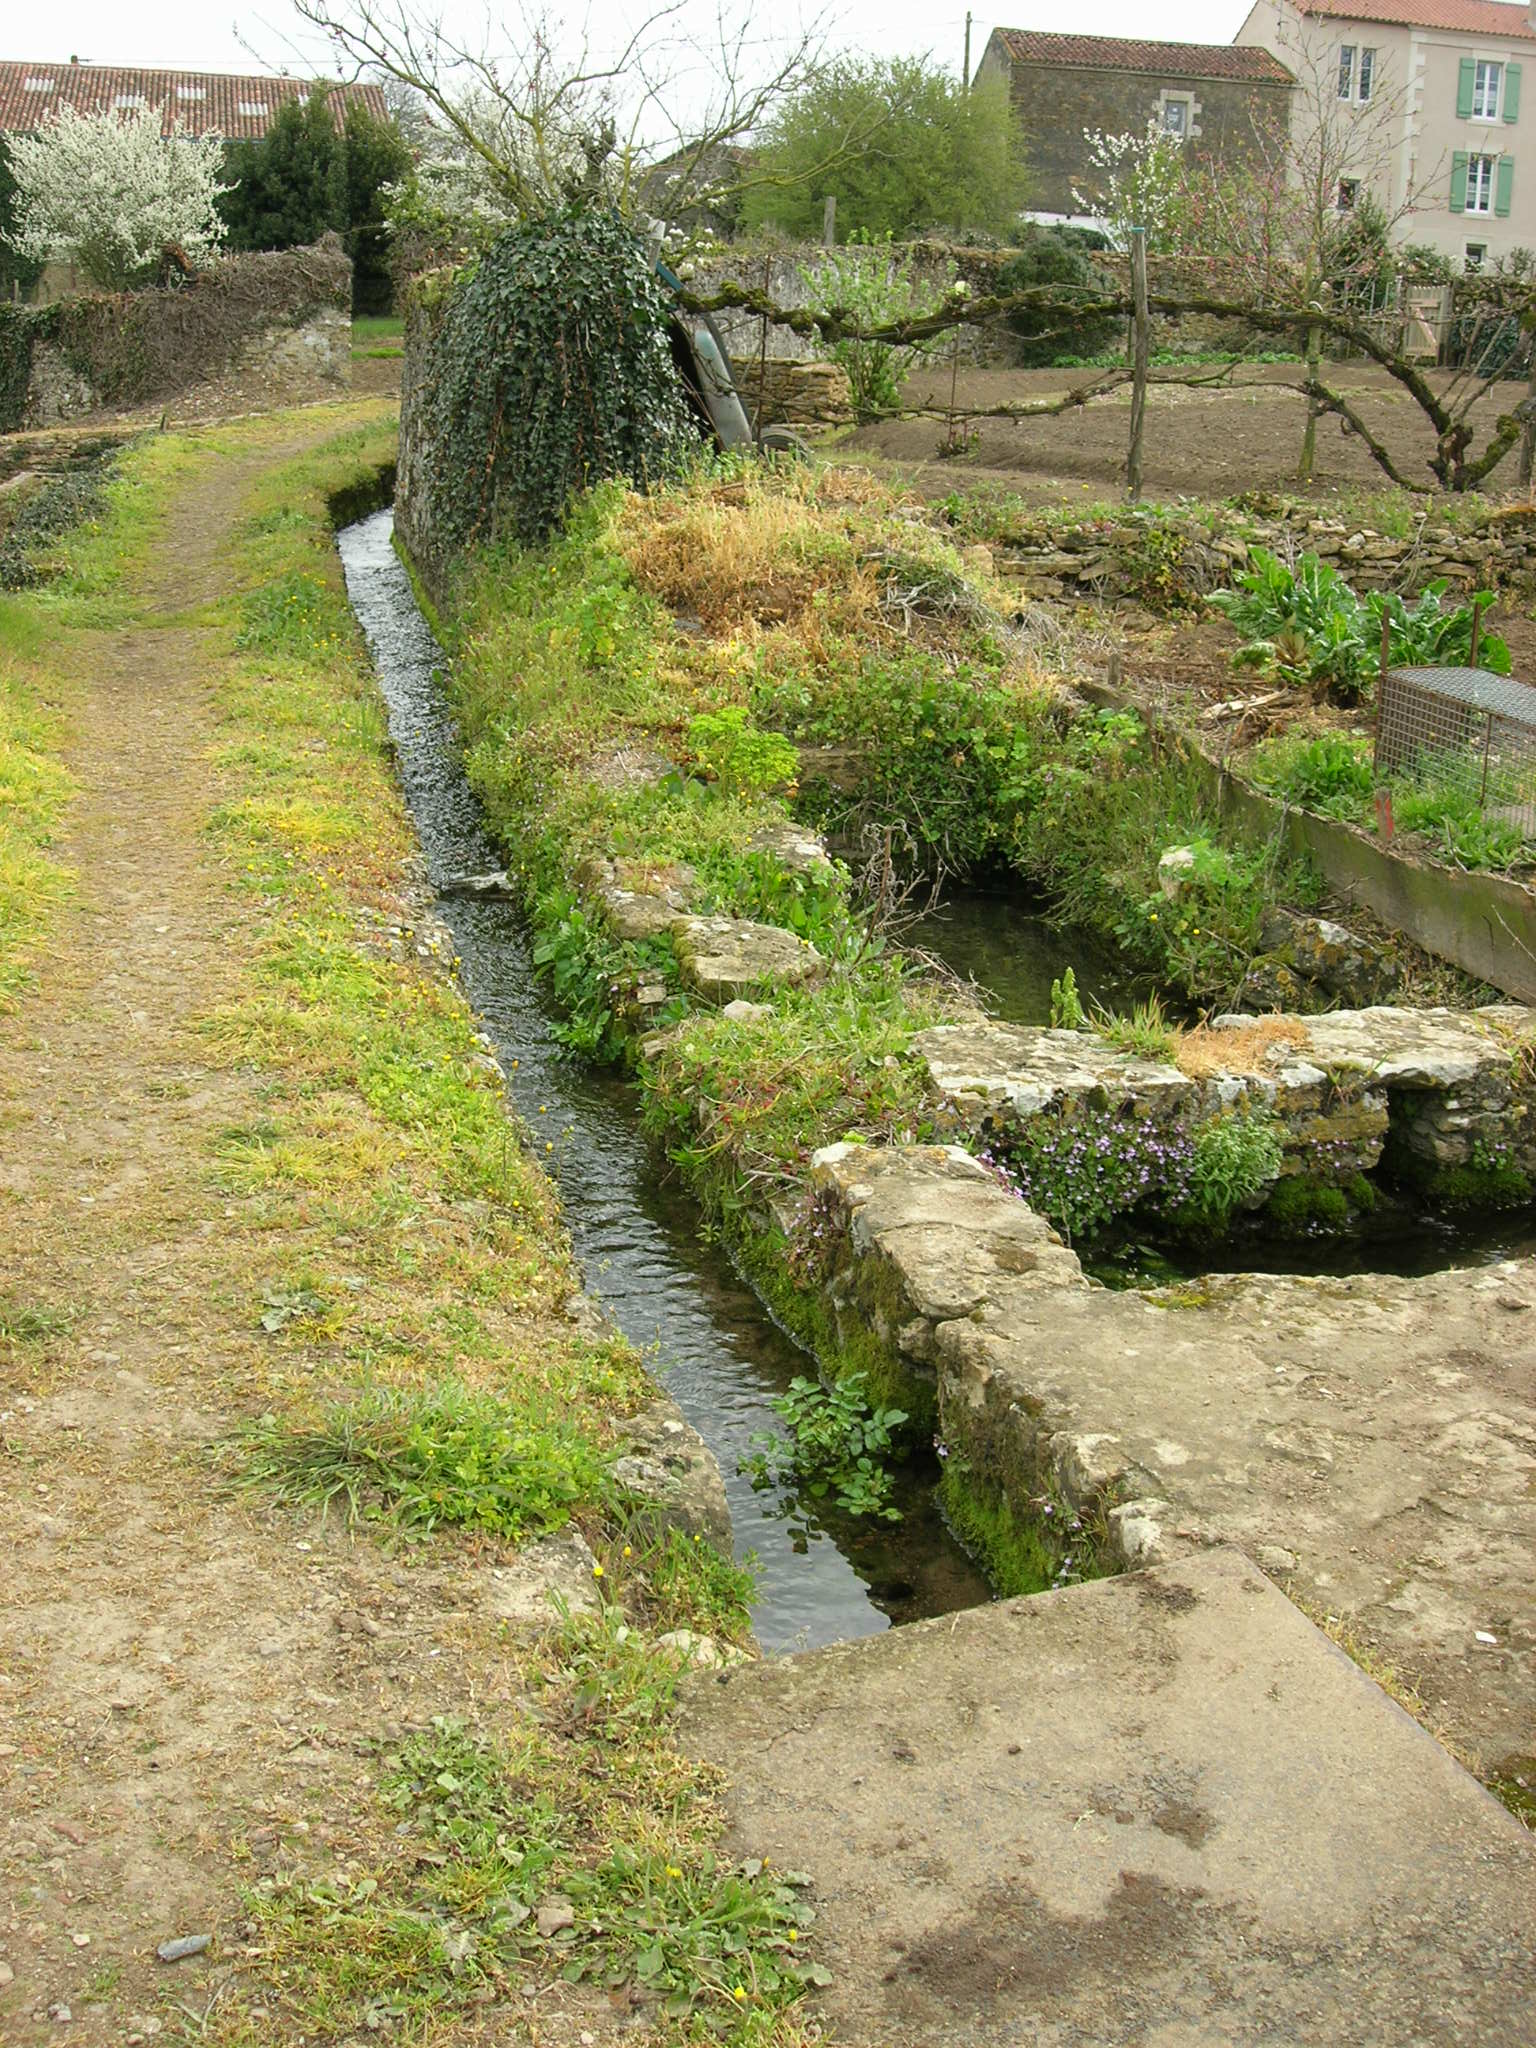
pixel 204 101
pixel 1493 19
pixel 1167 60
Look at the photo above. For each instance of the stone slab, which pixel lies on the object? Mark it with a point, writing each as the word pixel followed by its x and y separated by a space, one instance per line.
pixel 1379 1431
pixel 1160 1811
pixel 725 957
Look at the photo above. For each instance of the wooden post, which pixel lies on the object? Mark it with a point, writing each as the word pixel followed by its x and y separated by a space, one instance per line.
pixel 762 354
pixel 1381 686
pixel 1309 431
pixel 1528 438
pixel 1141 349
pixel 829 221
pixel 1477 637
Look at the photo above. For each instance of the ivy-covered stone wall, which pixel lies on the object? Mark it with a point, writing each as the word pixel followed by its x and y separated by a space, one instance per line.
pixel 287 309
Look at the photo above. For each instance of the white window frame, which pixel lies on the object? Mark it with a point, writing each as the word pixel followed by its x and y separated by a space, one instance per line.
pixel 1487 88
pixel 1365 75
pixel 1347 55
pixel 1482 182
pixel 1186 111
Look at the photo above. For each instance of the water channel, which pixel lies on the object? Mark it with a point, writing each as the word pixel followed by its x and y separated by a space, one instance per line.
pixel 636 1234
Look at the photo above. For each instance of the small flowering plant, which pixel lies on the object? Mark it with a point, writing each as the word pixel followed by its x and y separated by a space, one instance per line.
pixel 1083 1171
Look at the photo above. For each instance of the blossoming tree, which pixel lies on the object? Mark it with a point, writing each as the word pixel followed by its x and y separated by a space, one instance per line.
pixel 110 191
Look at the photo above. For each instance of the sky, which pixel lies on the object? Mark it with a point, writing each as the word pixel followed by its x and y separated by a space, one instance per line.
pixel 193 35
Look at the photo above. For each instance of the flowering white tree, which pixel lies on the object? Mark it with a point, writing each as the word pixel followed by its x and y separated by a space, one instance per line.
pixel 110 191
pixel 1138 183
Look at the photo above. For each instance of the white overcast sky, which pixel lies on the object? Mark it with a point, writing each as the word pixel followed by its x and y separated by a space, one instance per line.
pixel 189 35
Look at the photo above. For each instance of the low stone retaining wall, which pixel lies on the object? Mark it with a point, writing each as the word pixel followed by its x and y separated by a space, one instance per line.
pixel 1157 556
pixel 1452 1092
pixel 793 393
pixel 283 315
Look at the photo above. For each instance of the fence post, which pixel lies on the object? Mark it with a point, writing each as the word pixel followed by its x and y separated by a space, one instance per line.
pixel 1528 438
pixel 1140 350
pixel 829 221
pixel 1309 431
pixel 762 355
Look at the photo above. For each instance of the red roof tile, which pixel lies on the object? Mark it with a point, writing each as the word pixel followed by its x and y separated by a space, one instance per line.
pixel 1166 60
pixel 1494 19
pixel 205 101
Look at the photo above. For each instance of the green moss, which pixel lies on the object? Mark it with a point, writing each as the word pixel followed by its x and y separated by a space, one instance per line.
pixel 1478 1187
pixel 1513 1782
pixel 1020 1550
pixel 1303 1207
pixel 889 1380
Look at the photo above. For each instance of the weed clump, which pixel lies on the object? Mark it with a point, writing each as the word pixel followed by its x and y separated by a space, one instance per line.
pixel 420 1461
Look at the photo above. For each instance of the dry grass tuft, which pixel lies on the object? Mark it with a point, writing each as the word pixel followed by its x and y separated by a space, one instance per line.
pixel 1245 1048
pixel 744 554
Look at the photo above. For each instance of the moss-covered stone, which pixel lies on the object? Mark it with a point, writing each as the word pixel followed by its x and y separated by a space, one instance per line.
pixel 1303 1207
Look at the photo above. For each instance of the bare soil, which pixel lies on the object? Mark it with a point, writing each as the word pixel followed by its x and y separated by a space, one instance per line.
pixel 1211 443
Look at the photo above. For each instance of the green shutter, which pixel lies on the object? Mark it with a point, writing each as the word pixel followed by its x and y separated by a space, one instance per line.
pixel 1511 92
pixel 1464 91
pixel 1459 182
pixel 1504 186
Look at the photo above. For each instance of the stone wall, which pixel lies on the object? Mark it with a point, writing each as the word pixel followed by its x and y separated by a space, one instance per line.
pixel 1139 554
pixel 1363 1438
pixel 777 268
pixel 281 316
pixel 1449 1090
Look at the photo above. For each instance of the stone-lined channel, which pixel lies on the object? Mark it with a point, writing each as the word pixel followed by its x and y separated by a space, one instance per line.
pixel 637 1237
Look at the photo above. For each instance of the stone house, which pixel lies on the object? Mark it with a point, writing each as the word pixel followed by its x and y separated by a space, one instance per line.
pixel 238 108
pixel 1216 97
pixel 1433 89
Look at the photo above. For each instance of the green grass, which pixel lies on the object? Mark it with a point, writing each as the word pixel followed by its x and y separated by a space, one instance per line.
pixel 446 1458
pixel 35 790
pixel 377 335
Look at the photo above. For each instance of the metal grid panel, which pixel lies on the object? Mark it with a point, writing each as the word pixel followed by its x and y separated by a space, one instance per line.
pixel 1461 729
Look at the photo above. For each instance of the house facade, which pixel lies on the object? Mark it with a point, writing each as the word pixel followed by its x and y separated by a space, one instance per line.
pixel 1436 90
pixel 1218 98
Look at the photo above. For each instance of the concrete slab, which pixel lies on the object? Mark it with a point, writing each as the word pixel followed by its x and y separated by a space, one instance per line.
pixel 1160 1810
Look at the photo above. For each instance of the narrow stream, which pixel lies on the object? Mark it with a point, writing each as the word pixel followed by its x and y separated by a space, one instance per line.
pixel 720 1356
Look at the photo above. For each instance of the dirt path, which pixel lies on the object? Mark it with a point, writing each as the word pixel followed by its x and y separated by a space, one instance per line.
pixel 188 1685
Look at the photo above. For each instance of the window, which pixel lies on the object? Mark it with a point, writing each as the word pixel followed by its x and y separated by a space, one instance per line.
pixel 38 85
pixel 128 99
pixel 252 107
pixel 1486 80
pixel 1356 77
pixel 1176 118
pixel 191 92
pixel 1349 192
pixel 1476 254
pixel 1480 183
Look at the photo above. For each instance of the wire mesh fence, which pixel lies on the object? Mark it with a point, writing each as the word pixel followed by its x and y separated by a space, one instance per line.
pixel 1463 730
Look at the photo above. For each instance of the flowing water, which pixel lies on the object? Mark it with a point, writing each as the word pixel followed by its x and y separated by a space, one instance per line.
pixel 637 1236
